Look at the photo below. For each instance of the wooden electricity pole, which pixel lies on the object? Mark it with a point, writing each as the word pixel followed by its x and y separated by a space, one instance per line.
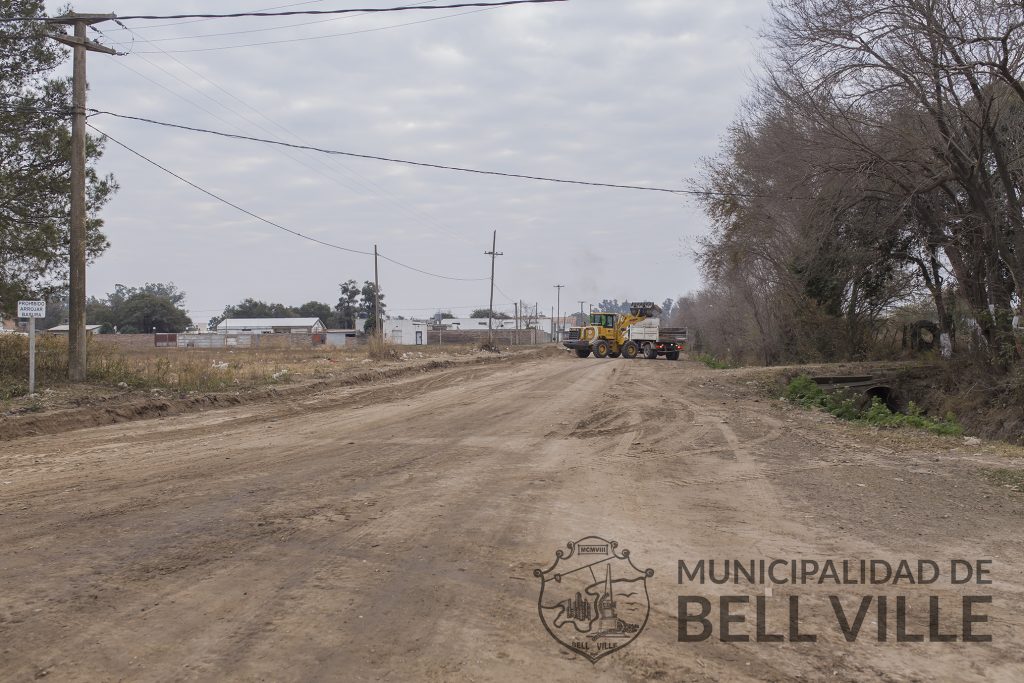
pixel 517 321
pixel 493 253
pixel 378 323
pixel 558 311
pixel 76 252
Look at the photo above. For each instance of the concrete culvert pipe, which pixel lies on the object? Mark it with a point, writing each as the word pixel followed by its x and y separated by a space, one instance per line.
pixel 887 395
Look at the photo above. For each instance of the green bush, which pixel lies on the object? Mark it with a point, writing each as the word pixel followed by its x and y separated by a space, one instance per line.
pixel 805 392
pixel 713 362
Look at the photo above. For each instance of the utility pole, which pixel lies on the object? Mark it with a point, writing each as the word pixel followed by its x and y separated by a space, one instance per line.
pixel 558 310
pixel 493 253
pixel 378 323
pixel 77 257
pixel 517 322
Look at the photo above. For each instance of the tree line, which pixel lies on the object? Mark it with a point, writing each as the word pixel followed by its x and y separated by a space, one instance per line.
pixel 877 165
pixel 356 307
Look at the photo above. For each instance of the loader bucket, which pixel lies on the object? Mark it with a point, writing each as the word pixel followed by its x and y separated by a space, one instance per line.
pixel 645 308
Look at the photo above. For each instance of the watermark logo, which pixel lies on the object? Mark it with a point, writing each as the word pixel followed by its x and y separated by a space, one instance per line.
pixel 593 599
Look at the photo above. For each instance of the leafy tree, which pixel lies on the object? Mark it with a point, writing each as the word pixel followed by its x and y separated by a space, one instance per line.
pixel 254 308
pixel 153 307
pixel 35 158
pixel 318 309
pixel 56 313
pixel 488 313
pixel 441 315
pixel 368 305
pixel 348 304
pixel 666 310
pixel 612 306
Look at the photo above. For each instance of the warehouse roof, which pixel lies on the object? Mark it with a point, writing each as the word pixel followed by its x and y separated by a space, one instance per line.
pixel 269 322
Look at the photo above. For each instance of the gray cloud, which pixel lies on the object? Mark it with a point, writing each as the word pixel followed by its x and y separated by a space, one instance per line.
pixel 630 92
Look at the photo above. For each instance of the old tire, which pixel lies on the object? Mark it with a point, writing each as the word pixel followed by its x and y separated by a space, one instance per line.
pixel 672 355
pixel 650 353
pixel 582 353
pixel 630 350
pixel 601 348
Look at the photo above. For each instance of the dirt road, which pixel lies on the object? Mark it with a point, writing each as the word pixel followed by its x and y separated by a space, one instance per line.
pixel 392 532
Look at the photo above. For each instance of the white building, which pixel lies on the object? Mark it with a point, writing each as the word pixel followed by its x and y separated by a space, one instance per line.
pixel 479 323
pixel 406 332
pixel 271 325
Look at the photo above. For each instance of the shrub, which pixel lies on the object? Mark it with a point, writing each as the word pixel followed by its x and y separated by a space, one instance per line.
pixel 713 362
pixel 805 392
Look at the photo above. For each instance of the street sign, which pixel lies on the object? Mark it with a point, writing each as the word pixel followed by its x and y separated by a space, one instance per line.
pixel 31 309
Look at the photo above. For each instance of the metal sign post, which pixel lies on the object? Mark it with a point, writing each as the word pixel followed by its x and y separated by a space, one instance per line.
pixel 31 310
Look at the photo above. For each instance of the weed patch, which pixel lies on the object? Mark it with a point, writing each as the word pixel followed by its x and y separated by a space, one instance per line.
pixel 713 362
pixel 1007 478
pixel 805 392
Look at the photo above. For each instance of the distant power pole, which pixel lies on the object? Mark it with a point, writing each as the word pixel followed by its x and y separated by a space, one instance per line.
pixel 558 309
pixel 490 312
pixel 76 250
pixel 517 321
pixel 378 323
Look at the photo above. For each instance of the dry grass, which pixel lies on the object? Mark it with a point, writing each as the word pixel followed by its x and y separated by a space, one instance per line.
pixel 378 348
pixel 200 370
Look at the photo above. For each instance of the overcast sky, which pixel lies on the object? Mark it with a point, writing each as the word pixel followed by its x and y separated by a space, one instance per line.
pixel 605 90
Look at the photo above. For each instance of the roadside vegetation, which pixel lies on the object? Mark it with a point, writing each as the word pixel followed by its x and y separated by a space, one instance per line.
pixel 713 362
pixel 865 203
pixel 805 392
pixel 188 370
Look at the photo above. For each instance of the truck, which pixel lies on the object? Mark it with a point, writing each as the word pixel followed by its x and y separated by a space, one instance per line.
pixel 627 334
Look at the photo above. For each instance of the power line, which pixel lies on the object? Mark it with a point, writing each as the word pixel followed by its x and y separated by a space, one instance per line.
pixel 310 12
pixel 423 164
pixel 267 220
pixel 199 21
pixel 356 184
pixel 225 201
pixel 443 277
pixel 510 299
pixel 257 30
pixel 320 12
pixel 462 169
pixel 307 38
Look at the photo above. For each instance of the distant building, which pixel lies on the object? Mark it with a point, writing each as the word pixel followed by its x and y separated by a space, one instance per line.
pixel 64 329
pixel 406 332
pixel 271 325
pixel 479 323
pixel 341 337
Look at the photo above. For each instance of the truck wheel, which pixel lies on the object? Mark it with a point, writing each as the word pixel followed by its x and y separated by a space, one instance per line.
pixel 630 350
pixel 614 354
pixel 650 353
pixel 600 348
pixel 582 353
pixel 672 355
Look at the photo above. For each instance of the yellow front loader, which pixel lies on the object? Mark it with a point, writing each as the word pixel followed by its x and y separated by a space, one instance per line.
pixel 608 333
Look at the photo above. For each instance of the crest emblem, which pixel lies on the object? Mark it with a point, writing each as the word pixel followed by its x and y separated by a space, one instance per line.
pixel 593 599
